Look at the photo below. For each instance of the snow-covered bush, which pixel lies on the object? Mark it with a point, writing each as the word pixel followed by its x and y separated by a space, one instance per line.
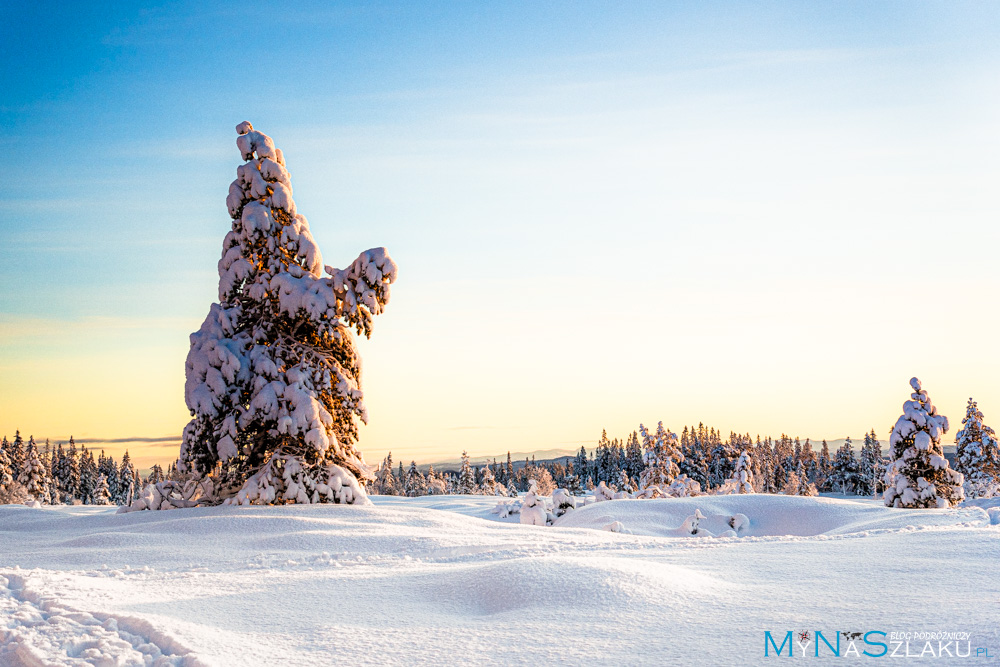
pixel 562 502
pixel 690 524
pixel 273 376
pixel 683 487
pixel 603 492
pixel 919 475
pixel 533 508
pixel 14 494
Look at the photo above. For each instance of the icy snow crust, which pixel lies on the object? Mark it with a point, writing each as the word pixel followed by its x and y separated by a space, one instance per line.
pixel 411 580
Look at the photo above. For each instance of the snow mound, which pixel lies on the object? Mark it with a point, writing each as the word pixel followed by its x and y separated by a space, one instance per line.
pixel 762 515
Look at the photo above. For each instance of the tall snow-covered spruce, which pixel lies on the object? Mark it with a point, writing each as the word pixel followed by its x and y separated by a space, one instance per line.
pixel 273 376
pixel 919 475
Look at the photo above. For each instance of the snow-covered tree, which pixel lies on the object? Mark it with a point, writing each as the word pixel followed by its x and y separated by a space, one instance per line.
pixel 845 477
pixel 743 474
pixel 6 470
pixel 88 477
pixel 34 477
pixel 436 485
pixel 102 494
pixel 273 375
pixel 155 474
pixel 562 502
pixel 415 484
pixel 126 482
pixel 69 472
pixel 16 454
pixel 467 478
pixel 488 485
pixel 919 476
pixel 385 481
pixel 824 468
pixel 542 478
pixel 976 455
pixel 803 486
pixel 661 454
pixel 533 508
pixel 871 467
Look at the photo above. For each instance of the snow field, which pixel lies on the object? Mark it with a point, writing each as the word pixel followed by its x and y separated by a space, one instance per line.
pixel 410 580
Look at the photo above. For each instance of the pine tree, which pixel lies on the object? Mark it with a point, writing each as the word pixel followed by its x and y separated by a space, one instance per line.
pixel 6 470
pixel 661 455
pixel 34 477
pixel 805 487
pixel 416 484
pixel 743 473
pixel 845 477
pixel 870 467
pixel 467 479
pixel 108 470
pixel 919 475
pixel 16 455
pixel 385 481
pixel 69 473
pixel 976 455
pixel 101 495
pixel 126 481
pixel 155 474
pixel 581 464
pixel 273 375
pixel 824 467
pixel 88 477
pixel 488 485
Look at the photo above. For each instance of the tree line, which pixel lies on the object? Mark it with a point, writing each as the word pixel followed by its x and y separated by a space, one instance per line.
pixel 66 475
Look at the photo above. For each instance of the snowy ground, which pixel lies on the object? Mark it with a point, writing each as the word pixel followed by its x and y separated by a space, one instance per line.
pixel 440 580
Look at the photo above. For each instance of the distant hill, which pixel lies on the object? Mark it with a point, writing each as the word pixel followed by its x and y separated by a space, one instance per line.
pixel 541 456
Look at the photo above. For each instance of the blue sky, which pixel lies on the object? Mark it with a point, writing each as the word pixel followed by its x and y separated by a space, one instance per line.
pixel 766 216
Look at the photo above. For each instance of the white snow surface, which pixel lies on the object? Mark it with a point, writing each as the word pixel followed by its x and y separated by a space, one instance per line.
pixel 440 579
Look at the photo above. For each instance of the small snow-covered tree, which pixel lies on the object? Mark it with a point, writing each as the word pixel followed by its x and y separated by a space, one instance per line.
pixel 34 477
pixel 467 478
pixel 562 502
pixel 743 473
pixel 533 508
pixel 273 375
pixel 976 455
pixel 919 476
